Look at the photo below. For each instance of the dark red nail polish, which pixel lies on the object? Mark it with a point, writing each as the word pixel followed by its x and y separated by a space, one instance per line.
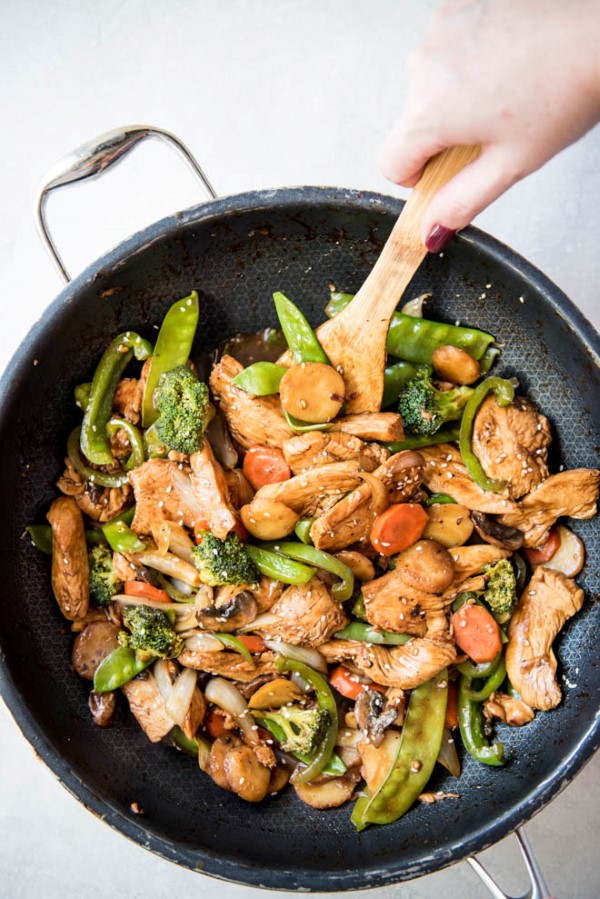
pixel 438 238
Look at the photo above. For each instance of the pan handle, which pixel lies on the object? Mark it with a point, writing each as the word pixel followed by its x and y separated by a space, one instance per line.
pixel 91 160
pixel 538 890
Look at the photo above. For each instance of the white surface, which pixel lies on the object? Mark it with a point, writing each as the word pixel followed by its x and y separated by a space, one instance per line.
pixel 266 93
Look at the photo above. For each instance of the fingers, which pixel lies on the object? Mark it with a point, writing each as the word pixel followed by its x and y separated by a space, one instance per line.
pixel 405 152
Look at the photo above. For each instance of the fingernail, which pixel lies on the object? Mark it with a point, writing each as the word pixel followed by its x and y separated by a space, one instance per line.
pixel 438 238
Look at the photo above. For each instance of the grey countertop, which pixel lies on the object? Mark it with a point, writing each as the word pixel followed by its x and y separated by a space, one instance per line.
pixel 266 93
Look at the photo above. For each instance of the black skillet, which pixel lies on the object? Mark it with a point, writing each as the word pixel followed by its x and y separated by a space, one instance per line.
pixel 235 252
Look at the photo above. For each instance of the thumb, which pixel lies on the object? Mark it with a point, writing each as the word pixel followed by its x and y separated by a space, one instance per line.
pixel 470 192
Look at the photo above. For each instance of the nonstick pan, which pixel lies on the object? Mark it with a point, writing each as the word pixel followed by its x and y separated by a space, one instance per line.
pixel 235 252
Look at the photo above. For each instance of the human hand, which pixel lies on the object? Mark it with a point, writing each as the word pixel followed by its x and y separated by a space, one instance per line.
pixel 519 77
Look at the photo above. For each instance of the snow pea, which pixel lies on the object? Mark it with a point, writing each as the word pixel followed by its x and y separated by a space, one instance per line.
pixel 326 701
pixel 416 756
pixel 302 530
pixel 394 379
pixel 301 338
pixel 82 395
pixel 504 392
pixel 494 682
pixel 279 567
pixel 116 357
pixel 118 668
pixel 475 671
pixel 236 644
pixel 300 552
pixel 416 441
pixel 260 378
pixel 134 437
pixel 121 538
pixel 470 722
pixel 173 346
pixel 41 537
pixel 365 633
pixel 94 475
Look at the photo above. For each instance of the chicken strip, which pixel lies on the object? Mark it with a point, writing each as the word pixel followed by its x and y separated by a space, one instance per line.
pixel 573 493
pixel 307 615
pixel 405 666
pixel 445 472
pixel 320 448
pixel 314 491
pixel 252 420
pixel 384 426
pixel 99 503
pixel 510 709
pixel 210 489
pixel 469 560
pixel 148 706
pixel 548 601
pixel 163 492
pixel 70 566
pixel 511 442
pixel 229 664
pixel 393 605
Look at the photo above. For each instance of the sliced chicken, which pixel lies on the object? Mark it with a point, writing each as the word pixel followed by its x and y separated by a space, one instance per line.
pixel 163 491
pixel 350 520
pixel 392 605
pixel 384 426
pixel 320 448
pixel 148 706
pixel 445 472
pixel 252 420
pixel 127 401
pixel 210 489
pixel 99 503
pixel 229 664
pixel 573 493
pixel 548 601
pixel 266 594
pixel 195 714
pixel 509 709
pixel 469 560
pixel 511 442
pixel 307 615
pixel 405 666
pixel 70 566
pixel 240 490
pixel 314 491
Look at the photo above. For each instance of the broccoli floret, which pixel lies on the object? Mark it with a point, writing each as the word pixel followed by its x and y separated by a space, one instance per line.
pixel 501 590
pixel 298 730
pixel 424 408
pixel 104 583
pixel 184 410
pixel 224 561
pixel 151 633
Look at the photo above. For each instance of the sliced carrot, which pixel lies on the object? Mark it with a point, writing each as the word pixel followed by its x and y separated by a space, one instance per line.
pixel 199 528
pixel 452 706
pixel 240 531
pixel 215 724
pixel 265 465
pixel 204 525
pixel 252 642
pixel 477 633
pixel 145 591
pixel 539 554
pixel 398 527
pixel 344 681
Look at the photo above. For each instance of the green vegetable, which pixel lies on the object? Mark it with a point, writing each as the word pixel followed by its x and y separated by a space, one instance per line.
pixel 365 633
pixel 154 448
pixel 236 644
pixel 94 438
pixel 93 475
pixel 302 530
pixel 104 583
pixel 302 427
pixel 184 408
pixel 260 378
pixel 395 377
pixel 416 441
pixel 183 742
pixel 470 722
pixel 475 671
pixel 326 702
pixel 441 499
pixel 494 682
pixel 225 561
pixel 279 567
pixel 301 338
pixel 358 609
pixel 504 392
pixel 424 408
pixel 300 552
pixel 300 730
pixel 501 589
pixel 152 634
pixel 134 438
pixel 82 395
pixel 416 756
pixel 118 668
pixel 41 537
pixel 173 346
pixel 520 572
pixel 121 538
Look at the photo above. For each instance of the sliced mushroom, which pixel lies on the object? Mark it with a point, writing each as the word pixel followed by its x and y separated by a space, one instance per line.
pixel 331 793
pixel 372 715
pixel 510 709
pixel 245 775
pixel 279 779
pixel 490 530
pixel 237 611
pixel 275 693
pixel 92 645
pixel 218 753
pixel 103 707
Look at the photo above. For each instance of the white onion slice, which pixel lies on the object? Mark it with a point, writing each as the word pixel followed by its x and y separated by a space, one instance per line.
pixel 163 679
pixel 310 657
pixel 179 701
pixel 169 564
pixel 161 536
pixel 184 588
pixel 152 603
pixel 222 692
pixel 379 493
pixel 203 643
pixel 260 621
pixel 415 307
pixel 180 543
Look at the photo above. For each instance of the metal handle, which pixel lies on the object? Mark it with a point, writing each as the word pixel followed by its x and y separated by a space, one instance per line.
pixel 92 159
pixel 538 890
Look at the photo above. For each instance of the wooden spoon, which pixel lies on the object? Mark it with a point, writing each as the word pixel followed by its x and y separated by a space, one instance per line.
pixel 355 339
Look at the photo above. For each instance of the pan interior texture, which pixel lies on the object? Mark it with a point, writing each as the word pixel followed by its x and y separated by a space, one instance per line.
pixel 235 253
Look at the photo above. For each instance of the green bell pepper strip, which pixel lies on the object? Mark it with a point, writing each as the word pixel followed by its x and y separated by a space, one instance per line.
pixel 116 357
pixel 41 537
pixel 326 701
pixel 102 478
pixel 134 437
pixel 279 567
pixel 415 759
pixel 395 377
pixel 416 441
pixel 301 338
pixel 260 378
pixel 236 644
pixel 302 530
pixel 183 742
pixel 154 448
pixel 121 538
pixel 365 633
pixel 475 671
pixel 173 347
pixel 494 682
pixel 301 427
pixel 504 392
pixel 82 395
pixel 440 499
pixel 470 722
pixel 359 610
pixel 118 668
pixel 300 552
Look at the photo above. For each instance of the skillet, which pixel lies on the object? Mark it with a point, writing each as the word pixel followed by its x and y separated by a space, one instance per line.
pixel 235 252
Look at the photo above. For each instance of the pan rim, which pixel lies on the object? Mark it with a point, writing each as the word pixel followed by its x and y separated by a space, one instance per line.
pixel 233 869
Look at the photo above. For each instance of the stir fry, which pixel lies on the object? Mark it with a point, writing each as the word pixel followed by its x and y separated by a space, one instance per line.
pixel 293 594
